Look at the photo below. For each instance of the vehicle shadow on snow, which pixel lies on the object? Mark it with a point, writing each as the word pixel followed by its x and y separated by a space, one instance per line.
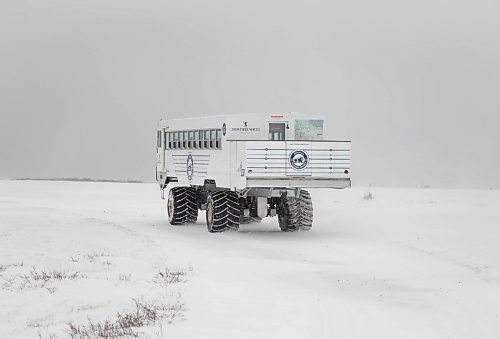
pixel 267 231
pixel 266 228
pixel 270 229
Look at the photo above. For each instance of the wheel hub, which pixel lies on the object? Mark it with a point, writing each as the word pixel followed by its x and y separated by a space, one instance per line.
pixel 210 213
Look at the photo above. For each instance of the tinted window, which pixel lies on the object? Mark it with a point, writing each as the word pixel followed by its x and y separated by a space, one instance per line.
pixel 218 138
pixel 195 139
pixel 212 138
pixel 190 139
pixel 206 138
pixel 174 139
pixel 179 139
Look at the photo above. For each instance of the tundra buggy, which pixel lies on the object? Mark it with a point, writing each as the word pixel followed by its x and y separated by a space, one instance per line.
pixel 242 168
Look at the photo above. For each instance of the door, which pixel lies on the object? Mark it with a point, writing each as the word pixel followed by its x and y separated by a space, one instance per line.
pixel 160 150
pixel 277 130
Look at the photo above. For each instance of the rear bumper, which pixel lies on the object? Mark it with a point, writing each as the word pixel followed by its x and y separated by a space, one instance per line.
pixel 313 182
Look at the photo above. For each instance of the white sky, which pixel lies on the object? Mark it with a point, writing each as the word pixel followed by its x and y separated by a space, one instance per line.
pixel 414 84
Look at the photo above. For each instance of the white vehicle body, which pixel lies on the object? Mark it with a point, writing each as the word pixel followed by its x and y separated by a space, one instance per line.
pixel 260 155
pixel 247 157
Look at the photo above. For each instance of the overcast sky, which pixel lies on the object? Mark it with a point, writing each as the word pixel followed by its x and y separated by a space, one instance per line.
pixel 414 84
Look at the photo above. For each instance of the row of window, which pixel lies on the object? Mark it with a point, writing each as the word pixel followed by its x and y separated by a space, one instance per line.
pixel 192 139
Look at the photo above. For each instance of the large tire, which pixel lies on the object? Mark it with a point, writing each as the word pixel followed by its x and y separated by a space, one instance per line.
pixel 182 207
pixel 223 211
pixel 296 213
pixel 306 210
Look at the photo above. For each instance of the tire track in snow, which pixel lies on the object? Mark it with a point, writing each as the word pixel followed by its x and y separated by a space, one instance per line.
pixel 125 230
pixel 479 270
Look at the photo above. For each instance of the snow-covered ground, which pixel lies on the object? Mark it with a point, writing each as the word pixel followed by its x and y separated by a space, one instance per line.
pixel 410 263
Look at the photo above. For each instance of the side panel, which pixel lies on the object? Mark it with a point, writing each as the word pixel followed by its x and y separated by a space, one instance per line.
pixel 298 163
pixel 331 158
pixel 266 158
pixel 192 167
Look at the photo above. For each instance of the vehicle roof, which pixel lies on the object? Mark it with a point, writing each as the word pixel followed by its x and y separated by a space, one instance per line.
pixel 245 115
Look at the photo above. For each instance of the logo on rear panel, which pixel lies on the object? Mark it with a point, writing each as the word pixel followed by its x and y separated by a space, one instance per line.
pixel 299 160
pixel 189 167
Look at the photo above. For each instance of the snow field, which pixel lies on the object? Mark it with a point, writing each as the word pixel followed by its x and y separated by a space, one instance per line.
pixel 412 263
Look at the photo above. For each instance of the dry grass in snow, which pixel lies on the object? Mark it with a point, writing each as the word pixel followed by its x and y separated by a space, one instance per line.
pixel 127 323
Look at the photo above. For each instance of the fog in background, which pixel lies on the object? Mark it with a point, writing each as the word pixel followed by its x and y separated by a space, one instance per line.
pixel 414 84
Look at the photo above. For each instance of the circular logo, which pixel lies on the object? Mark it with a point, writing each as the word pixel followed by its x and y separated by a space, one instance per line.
pixel 189 167
pixel 299 160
